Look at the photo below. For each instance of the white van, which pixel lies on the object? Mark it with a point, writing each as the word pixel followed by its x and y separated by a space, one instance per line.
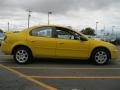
pixel 1 36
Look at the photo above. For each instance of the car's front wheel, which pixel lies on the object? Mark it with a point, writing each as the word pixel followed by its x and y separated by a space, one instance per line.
pixel 22 55
pixel 100 56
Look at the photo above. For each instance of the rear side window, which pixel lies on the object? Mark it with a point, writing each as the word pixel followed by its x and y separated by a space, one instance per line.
pixel 42 32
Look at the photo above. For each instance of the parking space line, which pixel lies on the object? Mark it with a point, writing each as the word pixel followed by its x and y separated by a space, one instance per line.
pixel 5 55
pixel 75 77
pixel 65 68
pixel 29 78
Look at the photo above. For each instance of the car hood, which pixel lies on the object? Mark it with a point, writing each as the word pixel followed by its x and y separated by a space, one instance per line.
pixel 99 43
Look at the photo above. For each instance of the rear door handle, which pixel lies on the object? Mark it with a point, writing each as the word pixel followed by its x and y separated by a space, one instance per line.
pixel 60 43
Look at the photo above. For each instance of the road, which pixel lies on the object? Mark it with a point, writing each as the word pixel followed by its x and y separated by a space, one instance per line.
pixel 44 74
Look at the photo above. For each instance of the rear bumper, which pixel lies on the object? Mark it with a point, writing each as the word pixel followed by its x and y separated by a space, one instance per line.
pixel 6 49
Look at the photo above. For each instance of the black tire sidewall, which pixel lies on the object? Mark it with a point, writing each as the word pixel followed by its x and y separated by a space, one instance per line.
pixel 29 55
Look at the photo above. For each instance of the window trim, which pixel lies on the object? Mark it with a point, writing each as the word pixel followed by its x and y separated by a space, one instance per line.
pixel 30 33
pixel 70 31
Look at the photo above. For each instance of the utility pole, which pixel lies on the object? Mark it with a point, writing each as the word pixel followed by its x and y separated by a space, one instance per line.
pixel 29 15
pixel 113 29
pixel 49 17
pixel 96 27
pixel 104 30
pixel 8 26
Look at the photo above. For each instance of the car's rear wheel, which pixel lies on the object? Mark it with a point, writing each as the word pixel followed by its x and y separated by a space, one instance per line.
pixel 22 55
pixel 100 56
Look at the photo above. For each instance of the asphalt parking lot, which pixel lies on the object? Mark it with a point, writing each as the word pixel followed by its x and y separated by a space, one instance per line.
pixel 48 74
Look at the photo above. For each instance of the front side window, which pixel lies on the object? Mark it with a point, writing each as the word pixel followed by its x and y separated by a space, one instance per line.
pixel 42 32
pixel 63 33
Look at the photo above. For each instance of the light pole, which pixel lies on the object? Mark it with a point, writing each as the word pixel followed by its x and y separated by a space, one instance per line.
pixel 8 26
pixel 49 17
pixel 113 29
pixel 29 15
pixel 96 27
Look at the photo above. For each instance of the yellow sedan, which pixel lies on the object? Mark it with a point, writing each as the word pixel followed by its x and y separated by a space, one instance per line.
pixel 51 41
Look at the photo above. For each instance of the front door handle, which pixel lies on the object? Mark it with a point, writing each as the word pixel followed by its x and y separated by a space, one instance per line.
pixel 32 41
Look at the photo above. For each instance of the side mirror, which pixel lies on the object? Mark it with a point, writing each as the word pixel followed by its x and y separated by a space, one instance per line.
pixel 83 39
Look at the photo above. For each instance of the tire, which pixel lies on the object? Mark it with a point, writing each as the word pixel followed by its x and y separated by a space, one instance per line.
pixel 22 55
pixel 100 56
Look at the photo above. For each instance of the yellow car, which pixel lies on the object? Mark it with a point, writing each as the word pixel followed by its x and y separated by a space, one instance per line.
pixel 51 41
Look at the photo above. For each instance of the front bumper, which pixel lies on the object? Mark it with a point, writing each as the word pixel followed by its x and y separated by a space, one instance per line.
pixel 0 42
pixel 114 54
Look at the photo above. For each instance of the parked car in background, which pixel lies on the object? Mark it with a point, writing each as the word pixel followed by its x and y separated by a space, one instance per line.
pixel 50 41
pixel 1 36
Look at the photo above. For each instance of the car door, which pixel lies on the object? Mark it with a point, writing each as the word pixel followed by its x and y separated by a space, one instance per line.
pixel 69 44
pixel 42 42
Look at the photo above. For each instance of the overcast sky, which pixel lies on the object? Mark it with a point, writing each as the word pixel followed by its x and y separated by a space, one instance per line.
pixel 76 13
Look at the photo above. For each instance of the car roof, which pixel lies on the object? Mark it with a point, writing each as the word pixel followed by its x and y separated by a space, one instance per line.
pixel 51 26
pixel 47 26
